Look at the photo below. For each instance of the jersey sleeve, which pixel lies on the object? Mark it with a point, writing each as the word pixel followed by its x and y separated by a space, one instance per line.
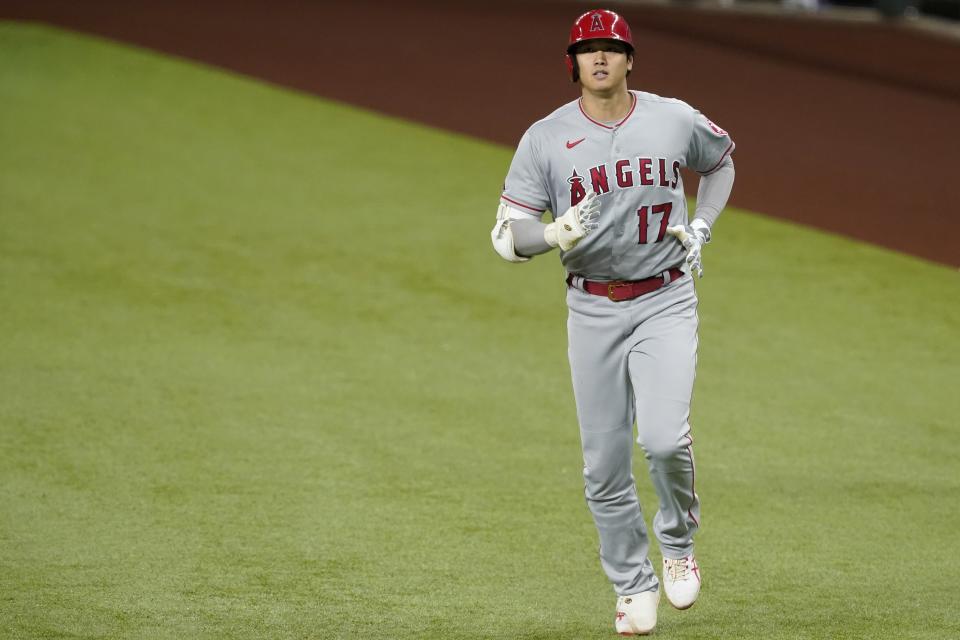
pixel 709 145
pixel 524 186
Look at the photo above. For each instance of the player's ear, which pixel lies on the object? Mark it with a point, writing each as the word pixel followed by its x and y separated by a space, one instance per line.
pixel 629 63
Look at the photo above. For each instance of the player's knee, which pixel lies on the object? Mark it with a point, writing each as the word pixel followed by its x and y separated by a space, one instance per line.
pixel 607 484
pixel 665 450
pixel 662 430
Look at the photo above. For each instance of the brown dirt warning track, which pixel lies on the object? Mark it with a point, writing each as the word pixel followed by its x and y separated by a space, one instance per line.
pixel 849 127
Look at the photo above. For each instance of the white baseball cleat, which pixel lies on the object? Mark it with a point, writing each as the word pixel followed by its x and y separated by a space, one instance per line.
pixel 681 581
pixel 637 613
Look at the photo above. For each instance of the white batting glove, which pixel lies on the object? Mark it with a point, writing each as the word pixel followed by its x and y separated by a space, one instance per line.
pixel 692 236
pixel 579 221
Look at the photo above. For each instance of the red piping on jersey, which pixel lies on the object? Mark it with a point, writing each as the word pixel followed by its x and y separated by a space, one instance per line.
pixel 606 126
pixel 693 481
pixel 719 162
pixel 520 204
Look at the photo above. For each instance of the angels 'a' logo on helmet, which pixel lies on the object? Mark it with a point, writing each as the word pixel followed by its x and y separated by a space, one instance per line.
pixel 577 192
pixel 597 23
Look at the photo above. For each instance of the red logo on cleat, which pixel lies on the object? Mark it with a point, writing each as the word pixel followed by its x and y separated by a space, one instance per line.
pixel 620 615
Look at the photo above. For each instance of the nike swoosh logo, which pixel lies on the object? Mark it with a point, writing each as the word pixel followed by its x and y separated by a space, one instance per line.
pixel 571 145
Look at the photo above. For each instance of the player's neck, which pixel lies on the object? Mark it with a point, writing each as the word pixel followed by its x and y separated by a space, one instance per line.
pixel 607 107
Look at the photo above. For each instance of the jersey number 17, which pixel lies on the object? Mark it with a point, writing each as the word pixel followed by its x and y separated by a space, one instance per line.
pixel 664 211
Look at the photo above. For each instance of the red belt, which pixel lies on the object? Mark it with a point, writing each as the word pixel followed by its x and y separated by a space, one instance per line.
pixel 620 290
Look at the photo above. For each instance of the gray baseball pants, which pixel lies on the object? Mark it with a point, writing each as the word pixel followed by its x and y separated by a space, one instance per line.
pixel 634 362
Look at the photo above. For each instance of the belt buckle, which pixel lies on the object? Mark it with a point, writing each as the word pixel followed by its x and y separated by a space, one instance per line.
pixel 613 286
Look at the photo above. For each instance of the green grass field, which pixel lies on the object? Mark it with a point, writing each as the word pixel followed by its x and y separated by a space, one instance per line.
pixel 264 377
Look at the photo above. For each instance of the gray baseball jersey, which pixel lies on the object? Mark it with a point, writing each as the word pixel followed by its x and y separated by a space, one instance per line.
pixel 634 165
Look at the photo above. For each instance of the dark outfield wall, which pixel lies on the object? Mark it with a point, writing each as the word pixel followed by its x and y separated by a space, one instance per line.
pixel 847 127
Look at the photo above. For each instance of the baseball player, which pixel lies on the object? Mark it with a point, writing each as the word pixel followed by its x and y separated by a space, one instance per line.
pixel 610 163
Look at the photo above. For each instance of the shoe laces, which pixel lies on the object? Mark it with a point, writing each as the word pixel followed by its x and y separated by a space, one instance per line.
pixel 678 569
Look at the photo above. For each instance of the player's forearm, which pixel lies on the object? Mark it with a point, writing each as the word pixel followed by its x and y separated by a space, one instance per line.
pixel 528 239
pixel 713 192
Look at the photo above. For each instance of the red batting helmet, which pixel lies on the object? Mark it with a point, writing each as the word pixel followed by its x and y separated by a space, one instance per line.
pixel 598 24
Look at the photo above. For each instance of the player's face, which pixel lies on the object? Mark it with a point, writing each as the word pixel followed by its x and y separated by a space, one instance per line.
pixel 603 65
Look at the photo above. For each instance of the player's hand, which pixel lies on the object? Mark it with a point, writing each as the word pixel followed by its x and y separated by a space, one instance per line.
pixel 579 221
pixel 692 238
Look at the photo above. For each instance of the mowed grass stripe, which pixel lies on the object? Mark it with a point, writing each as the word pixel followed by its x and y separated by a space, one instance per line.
pixel 263 376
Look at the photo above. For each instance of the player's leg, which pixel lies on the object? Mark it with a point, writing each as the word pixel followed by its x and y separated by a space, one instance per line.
pixel 662 366
pixel 598 364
